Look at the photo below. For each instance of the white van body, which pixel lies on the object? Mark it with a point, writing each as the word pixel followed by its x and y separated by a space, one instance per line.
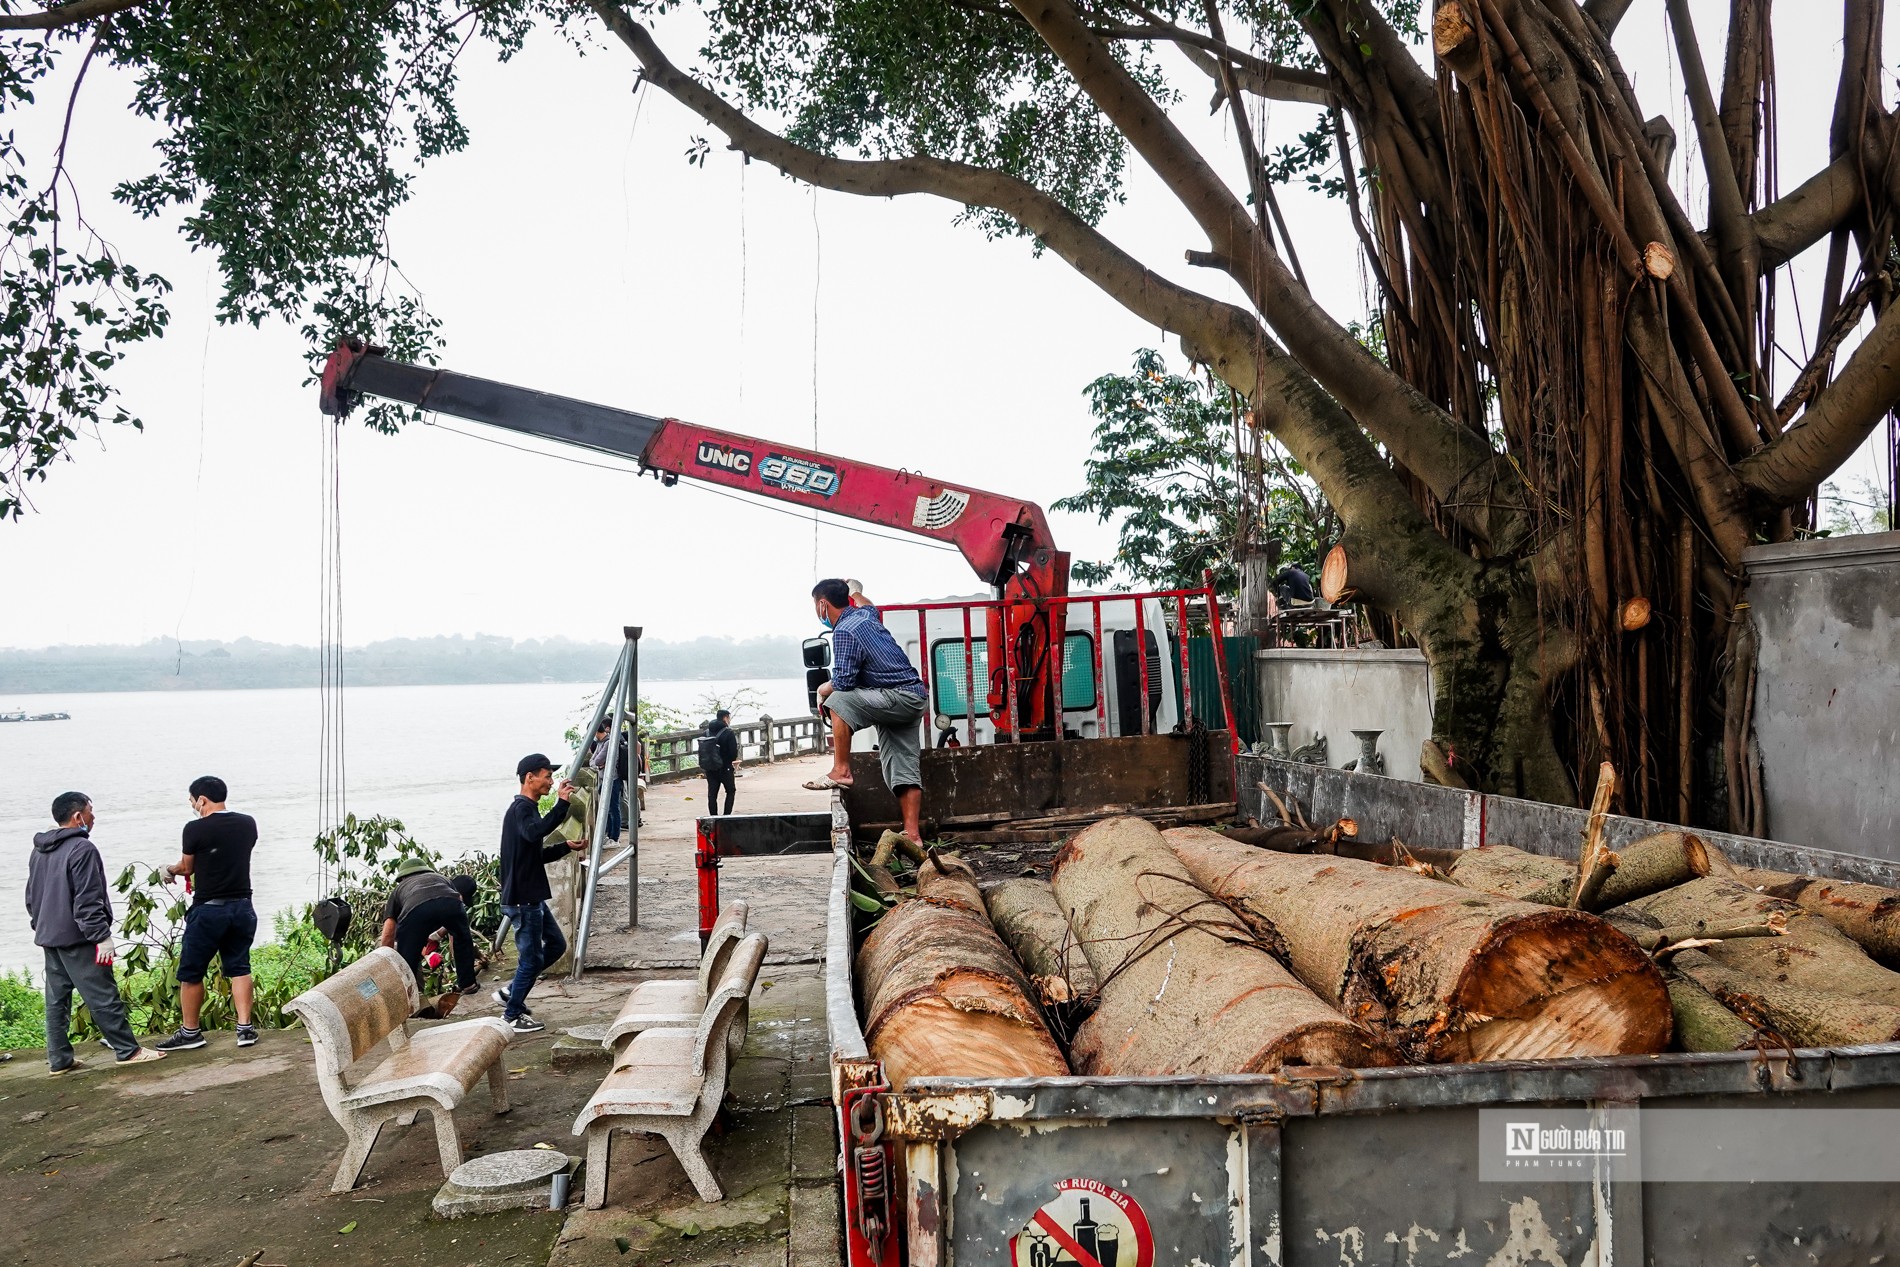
pixel 1082 715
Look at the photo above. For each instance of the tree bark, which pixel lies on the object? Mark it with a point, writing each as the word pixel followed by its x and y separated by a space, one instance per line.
pixel 1868 913
pixel 1813 955
pixel 1185 987
pixel 1448 974
pixel 1703 1024
pixel 1653 863
pixel 1026 915
pixel 1508 871
pixel 1799 1013
pixel 941 995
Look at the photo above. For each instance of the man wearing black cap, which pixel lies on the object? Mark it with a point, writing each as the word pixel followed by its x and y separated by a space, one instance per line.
pixel 524 884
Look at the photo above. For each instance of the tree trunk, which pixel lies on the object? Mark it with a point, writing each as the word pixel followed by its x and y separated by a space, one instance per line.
pixel 1507 871
pixel 1026 914
pixel 1703 1024
pixel 1449 974
pixel 1868 913
pixel 1813 954
pixel 1658 862
pixel 1804 1016
pixel 941 995
pixel 1185 988
pixel 1649 865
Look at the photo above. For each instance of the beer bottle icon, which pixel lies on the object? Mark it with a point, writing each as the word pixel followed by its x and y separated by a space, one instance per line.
pixel 1084 1233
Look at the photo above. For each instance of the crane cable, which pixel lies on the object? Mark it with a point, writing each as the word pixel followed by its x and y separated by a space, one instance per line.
pixel 331 774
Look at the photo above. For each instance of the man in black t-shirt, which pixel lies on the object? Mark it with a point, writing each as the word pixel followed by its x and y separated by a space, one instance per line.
pixel 221 921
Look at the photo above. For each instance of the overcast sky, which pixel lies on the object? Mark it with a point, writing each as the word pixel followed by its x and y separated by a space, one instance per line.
pixel 571 248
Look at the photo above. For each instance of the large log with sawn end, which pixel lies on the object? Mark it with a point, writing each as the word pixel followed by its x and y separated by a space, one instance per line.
pixel 942 997
pixel 1185 987
pixel 1449 973
pixel 1869 913
pixel 1026 914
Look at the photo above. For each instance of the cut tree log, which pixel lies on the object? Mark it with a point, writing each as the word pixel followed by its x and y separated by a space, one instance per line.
pixel 1813 954
pixel 1448 974
pixel 1595 862
pixel 942 996
pixel 1185 987
pixel 1703 1024
pixel 1659 862
pixel 1797 1012
pixel 1869 913
pixel 1645 866
pixel 1026 914
pixel 1507 871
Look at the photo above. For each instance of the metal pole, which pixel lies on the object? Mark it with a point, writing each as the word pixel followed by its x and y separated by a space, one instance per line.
pixel 1101 683
pixel 603 798
pixel 969 682
pixel 1220 670
pixel 630 807
pixel 1141 654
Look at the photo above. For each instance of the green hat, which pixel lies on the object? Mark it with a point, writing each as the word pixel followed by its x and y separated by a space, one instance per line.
pixel 411 865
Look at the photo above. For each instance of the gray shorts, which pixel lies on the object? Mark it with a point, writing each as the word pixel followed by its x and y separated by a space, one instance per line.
pixel 898 716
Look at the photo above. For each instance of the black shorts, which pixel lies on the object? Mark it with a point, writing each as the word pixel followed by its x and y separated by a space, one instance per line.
pixel 224 929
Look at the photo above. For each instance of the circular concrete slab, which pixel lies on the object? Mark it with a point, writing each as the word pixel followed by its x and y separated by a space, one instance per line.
pixel 586 1033
pixel 515 1180
pixel 504 1170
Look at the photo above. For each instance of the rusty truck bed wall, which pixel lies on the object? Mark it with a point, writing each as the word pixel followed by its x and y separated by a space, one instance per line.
pixel 1027 779
pixel 1335 1168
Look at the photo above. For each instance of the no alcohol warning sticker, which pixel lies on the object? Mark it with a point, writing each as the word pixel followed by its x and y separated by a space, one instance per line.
pixel 1087 1224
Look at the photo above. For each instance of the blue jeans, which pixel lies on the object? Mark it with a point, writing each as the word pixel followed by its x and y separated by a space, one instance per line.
pixel 614 822
pixel 538 943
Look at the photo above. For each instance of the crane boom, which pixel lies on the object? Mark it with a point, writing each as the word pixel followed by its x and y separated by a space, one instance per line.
pixel 1005 540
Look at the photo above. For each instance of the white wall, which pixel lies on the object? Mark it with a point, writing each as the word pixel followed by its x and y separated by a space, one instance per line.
pixel 1336 692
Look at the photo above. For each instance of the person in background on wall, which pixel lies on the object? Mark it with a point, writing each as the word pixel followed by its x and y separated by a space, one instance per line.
pixel 1293 587
pixel 718 759
pixel 70 909
pixel 221 921
pixel 872 684
pixel 424 903
pixel 524 883
pixel 597 760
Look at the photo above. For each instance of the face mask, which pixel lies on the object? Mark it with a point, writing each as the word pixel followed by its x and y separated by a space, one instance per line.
pixel 826 622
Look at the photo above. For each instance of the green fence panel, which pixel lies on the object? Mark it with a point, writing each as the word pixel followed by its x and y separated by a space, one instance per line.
pixel 1242 680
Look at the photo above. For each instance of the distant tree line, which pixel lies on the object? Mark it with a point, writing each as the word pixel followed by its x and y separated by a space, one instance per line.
pixel 166 665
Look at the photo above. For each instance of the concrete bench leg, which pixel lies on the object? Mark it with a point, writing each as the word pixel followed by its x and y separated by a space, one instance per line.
pixel 690 1147
pixel 498 1087
pixel 599 1140
pixel 448 1141
pixel 362 1138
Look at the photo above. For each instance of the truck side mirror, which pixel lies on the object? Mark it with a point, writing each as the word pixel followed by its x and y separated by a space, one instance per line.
pixel 817 652
pixel 815 678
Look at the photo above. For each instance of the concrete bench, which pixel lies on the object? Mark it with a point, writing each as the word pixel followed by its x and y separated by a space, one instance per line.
pixel 679 1003
pixel 431 1068
pixel 669 1082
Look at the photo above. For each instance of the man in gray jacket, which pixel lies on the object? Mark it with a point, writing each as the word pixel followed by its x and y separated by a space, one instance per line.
pixel 71 912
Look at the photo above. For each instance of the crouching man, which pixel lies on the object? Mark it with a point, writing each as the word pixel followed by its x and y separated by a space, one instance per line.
pixel 873 684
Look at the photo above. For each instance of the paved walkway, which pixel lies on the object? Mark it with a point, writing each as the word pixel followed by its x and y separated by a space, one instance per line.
pixel 213 1156
pixel 787 895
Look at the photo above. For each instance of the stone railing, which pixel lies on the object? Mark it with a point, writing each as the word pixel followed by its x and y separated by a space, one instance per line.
pixel 674 754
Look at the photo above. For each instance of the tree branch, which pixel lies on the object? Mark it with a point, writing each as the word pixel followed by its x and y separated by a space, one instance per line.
pixel 1833 426
pixel 1459 466
pixel 1728 205
pixel 1809 212
pixel 65 15
pixel 1254 74
pixel 1607 13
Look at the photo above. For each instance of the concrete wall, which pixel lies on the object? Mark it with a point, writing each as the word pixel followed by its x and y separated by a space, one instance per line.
pixel 1827 698
pixel 1336 692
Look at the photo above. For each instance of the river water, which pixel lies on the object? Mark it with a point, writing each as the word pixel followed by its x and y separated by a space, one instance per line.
pixel 440 758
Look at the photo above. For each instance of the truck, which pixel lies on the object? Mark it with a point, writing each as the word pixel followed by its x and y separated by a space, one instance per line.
pixel 1333 1167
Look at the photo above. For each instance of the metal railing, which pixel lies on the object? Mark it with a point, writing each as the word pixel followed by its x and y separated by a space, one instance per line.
pixel 674 754
pixel 1182 599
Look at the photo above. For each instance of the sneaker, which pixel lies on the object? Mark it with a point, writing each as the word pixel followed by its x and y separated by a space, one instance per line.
pixel 247 1035
pixel 501 1001
pixel 75 1067
pixel 525 1024
pixel 183 1040
pixel 471 990
pixel 144 1055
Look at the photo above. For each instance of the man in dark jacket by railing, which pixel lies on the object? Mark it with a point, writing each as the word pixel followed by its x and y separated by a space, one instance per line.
pixel 719 760
pixel 71 912
pixel 524 883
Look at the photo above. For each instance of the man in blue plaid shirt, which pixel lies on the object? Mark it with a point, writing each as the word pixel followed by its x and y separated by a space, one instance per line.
pixel 873 683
